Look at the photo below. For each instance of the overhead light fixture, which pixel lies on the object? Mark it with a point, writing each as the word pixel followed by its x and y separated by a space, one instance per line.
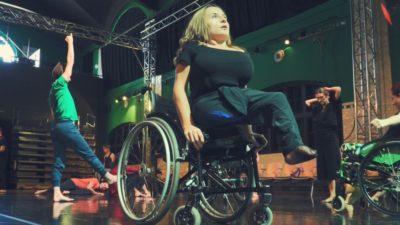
pixel 287 41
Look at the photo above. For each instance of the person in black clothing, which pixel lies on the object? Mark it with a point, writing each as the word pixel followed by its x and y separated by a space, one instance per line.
pixel 218 73
pixel 3 162
pixel 326 129
pixel 109 158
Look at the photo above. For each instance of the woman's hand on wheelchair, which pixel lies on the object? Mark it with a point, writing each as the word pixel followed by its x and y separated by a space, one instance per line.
pixel 194 135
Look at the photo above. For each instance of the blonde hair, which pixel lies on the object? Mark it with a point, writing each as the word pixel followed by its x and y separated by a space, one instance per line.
pixel 197 30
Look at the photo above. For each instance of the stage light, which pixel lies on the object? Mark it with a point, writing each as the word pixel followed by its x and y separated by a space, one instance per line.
pixel 124 98
pixel 116 101
pixel 286 41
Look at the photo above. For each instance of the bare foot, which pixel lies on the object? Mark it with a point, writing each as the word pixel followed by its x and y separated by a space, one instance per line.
pixel 147 193
pixel 329 199
pixel 61 198
pixel 111 178
pixel 138 193
pixel 65 192
pixel 39 192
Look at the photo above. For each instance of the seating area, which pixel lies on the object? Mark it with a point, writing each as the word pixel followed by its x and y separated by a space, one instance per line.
pixel 272 168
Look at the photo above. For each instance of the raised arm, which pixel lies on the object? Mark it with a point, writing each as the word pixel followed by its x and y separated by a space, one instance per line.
pixel 192 133
pixel 311 101
pixel 70 58
pixel 337 90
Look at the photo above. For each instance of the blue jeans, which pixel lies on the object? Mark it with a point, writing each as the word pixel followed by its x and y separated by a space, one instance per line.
pixel 65 134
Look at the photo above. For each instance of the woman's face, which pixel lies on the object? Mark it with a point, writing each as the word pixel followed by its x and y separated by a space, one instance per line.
pixel 322 98
pixel 106 150
pixel 218 26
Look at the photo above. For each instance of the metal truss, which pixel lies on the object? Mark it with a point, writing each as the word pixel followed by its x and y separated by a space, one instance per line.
pixel 364 68
pixel 28 18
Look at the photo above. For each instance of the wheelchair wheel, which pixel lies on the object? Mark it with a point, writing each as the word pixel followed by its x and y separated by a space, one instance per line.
pixel 339 204
pixel 260 215
pixel 224 207
pixel 183 216
pixel 379 178
pixel 152 148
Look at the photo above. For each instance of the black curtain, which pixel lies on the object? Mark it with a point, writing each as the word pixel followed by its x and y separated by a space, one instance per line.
pixel 120 66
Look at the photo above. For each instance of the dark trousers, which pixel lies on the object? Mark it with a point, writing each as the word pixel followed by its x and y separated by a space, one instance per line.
pixel 65 134
pixel 68 185
pixel 3 172
pixel 213 110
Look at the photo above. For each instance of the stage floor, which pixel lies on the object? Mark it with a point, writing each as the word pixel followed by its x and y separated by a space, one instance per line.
pixel 289 207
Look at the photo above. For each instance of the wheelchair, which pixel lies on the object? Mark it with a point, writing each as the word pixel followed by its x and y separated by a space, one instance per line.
pixel 372 175
pixel 220 180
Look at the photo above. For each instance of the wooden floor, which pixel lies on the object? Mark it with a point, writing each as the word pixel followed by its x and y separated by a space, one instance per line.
pixel 290 207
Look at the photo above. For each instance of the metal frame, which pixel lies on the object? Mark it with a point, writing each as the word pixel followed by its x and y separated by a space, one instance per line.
pixel 364 68
pixel 28 18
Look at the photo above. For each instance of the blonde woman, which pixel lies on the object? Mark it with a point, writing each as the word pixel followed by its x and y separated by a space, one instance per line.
pixel 218 73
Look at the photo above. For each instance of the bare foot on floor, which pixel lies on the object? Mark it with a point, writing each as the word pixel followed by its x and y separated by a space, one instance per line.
pixel 111 178
pixel 329 199
pixel 61 198
pixel 39 192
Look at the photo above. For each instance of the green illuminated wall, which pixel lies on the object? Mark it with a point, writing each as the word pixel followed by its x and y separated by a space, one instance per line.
pixel 320 51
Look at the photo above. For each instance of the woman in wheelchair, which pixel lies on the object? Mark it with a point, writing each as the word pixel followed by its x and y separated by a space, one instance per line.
pixel 218 73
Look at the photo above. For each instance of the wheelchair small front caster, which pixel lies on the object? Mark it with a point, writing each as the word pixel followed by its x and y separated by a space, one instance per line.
pixel 186 216
pixel 339 204
pixel 260 215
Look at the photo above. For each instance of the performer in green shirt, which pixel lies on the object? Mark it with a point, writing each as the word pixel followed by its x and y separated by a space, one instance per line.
pixel 64 133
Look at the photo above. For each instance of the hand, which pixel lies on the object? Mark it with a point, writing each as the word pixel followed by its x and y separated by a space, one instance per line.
pixel 69 39
pixel 195 136
pixel 377 123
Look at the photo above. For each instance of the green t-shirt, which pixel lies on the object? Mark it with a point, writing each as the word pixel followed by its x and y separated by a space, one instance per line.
pixel 61 101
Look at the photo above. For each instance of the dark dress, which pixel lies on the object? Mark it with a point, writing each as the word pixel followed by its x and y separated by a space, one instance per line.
pixel 219 98
pixel 3 165
pixel 108 163
pixel 326 139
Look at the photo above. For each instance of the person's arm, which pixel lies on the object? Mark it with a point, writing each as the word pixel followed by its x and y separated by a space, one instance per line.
pixel 112 157
pixel 192 133
pixel 311 101
pixel 390 121
pixel 70 58
pixel 91 189
pixel 337 90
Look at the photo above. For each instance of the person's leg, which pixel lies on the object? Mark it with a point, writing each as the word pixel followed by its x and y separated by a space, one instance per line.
pixel 332 191
pixel 59 164
pixel 276 105
pixel 75 140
